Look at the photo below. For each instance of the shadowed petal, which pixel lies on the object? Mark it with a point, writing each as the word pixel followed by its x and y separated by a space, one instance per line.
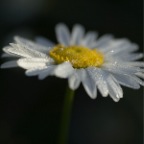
pixel 62 34
pixel 77 34
pixel 10 64
pixel 43 41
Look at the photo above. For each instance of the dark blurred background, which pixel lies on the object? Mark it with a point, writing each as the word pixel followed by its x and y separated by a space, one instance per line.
pixel 30 109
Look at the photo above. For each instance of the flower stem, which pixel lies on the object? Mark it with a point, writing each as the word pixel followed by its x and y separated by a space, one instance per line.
pixel 66 115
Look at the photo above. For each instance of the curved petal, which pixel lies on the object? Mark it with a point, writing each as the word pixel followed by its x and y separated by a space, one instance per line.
pixel 74 81
pixel 64 70
pixel 62 34
pixel 46 72
pixel 77 34
pixel 115 90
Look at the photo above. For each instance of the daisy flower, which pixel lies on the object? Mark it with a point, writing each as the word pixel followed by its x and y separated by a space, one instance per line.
pixel 101 63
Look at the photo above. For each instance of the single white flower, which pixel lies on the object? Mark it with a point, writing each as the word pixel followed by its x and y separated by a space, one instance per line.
pixel 103 64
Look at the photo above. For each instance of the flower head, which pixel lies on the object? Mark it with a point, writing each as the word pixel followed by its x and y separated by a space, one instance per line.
pixel 103 64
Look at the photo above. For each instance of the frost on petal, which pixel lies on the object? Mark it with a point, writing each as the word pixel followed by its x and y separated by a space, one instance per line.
pixel 43 41
pixel 31 45
pixel 9 64
pixel 62 34
pixel 89 84
pixel 64 70
pixel 77 34
pixel 74 81
pixel 26 52
pixel 29 63
pixel 7 53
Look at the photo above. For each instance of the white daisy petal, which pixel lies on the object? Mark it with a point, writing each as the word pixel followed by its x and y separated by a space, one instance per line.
pixel 43 41
pixel 115 90
pixel 29 63
pixel 89 84
pixel 103 88
pixel 9 64
pixel 77 34
pixel 118 87
pixel 121 49
pixel 138 80
pixel 120 68
pixel 126 80
pixel 64 70
pixel 117 63
pixel 131 57
pixel 102 41
pixel 120 45
pixel 89 38
pixel 42 72
pixel 136 63
pixel 74 81
pixel 100 77
pixel 140 74
pixel 31 45
pixel 46 72
pixel 35 71
pixel 62 34
pixel 19 50
pixel 8 54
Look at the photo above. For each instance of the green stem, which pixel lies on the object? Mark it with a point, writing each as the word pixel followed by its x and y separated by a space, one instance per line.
pixel 66 115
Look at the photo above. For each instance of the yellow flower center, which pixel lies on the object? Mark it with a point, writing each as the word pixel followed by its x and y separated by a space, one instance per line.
pixel 78 56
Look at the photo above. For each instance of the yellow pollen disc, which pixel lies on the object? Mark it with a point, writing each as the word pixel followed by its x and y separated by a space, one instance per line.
pixel 78 56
